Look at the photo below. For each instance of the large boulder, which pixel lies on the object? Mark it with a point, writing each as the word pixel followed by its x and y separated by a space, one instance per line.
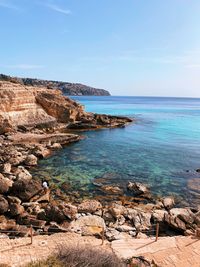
pixel 70 211
pixel 31 160
pixel 58 106
pixel 184 214
pixel 140 219
pixel 28 220
pixel 41 151
pixel 116 210
pixel 15 209
pixel 54 213
pixel 26 189
pixel 168 202
pixel 175 223
pixel 159 215
pixel 88 225
pixel 89 206
pixel 22 173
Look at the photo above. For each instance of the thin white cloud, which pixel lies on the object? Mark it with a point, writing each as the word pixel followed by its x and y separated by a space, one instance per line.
pixel 24 66
pixel 59 9
pixel 7 4
pixel 193 66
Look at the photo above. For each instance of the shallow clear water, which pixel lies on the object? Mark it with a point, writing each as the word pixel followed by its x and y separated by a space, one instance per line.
pixel 158 149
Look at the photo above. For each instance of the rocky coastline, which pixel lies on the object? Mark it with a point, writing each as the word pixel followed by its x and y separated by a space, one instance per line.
pixel 66 87
pixel 35 122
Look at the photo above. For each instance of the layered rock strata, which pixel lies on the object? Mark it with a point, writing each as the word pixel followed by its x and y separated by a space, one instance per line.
pixel 30 106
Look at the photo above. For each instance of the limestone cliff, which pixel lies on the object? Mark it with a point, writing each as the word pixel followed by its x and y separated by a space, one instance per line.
pixel 32 106
pixel 66 87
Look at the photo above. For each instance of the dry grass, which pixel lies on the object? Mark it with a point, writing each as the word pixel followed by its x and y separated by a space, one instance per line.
pixel 50 262
pixel 80 257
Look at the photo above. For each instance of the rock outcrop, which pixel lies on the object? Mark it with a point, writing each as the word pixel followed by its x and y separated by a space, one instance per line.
pixel 66 87
pixel 32 106
pixel 28 106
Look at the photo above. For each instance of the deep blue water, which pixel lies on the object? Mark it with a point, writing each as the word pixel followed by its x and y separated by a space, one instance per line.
pixel 157 149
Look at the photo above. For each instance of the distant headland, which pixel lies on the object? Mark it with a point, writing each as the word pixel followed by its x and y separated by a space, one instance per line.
pixel 67 88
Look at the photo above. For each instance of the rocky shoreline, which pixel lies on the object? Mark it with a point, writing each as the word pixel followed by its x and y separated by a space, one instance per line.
pixel 33 124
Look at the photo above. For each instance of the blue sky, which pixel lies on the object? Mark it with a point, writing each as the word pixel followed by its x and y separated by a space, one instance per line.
pixel 130 47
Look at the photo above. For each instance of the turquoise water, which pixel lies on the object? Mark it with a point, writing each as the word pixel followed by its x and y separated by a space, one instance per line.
pixel 162 148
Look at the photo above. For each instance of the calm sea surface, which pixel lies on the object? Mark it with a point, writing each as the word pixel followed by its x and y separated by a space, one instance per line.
pixel 161 149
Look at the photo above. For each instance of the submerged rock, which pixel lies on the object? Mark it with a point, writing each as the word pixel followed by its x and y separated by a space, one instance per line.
pixel 137 188
pixel 112 189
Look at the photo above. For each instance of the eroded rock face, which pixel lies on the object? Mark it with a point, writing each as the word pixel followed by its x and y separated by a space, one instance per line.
pixel 60 107
pixel 18 106
pixel 28 106
pixel 32 106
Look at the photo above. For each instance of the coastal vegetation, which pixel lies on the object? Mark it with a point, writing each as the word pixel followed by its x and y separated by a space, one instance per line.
pixel 80 257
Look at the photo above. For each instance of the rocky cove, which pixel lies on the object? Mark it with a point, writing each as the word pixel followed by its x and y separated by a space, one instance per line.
pixel 35 122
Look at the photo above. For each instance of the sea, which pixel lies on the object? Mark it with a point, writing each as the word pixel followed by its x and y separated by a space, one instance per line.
pixel 161 148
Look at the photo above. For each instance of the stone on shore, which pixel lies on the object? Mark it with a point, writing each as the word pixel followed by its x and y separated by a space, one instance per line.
pixel 31 160
pixel 26 189
pixel 89 206
pixel 88 225
pixel 168 202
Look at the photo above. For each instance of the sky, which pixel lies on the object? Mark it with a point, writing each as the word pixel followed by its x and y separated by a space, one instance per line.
pixel 129 47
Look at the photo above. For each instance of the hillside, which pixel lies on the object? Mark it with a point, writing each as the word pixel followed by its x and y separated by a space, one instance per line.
pixel 66 87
